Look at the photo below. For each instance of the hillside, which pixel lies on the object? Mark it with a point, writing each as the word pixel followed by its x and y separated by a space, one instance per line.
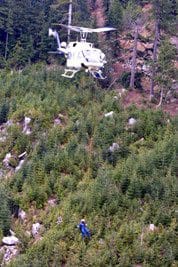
pixel 74 152
pixel 105 151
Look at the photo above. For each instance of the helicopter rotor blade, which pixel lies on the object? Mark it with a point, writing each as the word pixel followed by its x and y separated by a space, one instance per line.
pixel 86 30
pixel 54 52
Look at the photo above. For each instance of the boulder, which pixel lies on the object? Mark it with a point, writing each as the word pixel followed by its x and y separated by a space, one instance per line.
pixel 10 240
pixel 109 114
pixel 141 47
pixel 27 120
pixel 3 138
pixel 9 123
pixel 149 45
pixel 151 227
pixel 26 129
pixel 59 220
pixel 6 160
pixel 145 33
pixel 8 253
pixel 57 121
pixel 114 147
pixel 52 202
pixel 132 121
pixel 22 215
pixel 101 241
pixel 35 229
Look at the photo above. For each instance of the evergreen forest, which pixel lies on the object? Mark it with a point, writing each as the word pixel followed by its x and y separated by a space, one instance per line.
pixel 73 149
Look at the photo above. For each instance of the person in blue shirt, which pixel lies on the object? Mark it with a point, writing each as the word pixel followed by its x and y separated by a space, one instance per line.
pixel 85 232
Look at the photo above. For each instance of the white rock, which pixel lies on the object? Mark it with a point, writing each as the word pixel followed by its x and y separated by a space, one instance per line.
pixel 9 123
pixel 10 240
pixel 77 123
pixel 3 139
pixel 151 227
pixel 52 202
pixel 27 120
pixel 22 215
pixel 124 90
pixel 9 253
pixel 28 131
pixel 109 114
pixel 57 121
pixel 132 121
pixel 35 229
pixel 145 68
pixel 26 128
pixel 59 220
pixel 19 166
pixel 101 241
pixel 1 173
pixel 114 147
pixel 7 159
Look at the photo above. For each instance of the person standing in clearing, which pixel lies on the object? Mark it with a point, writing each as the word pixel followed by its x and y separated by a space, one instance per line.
pixel 85 232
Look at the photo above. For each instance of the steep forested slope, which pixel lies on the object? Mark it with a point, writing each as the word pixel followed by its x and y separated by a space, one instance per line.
pixel 87 157
pixel 73 149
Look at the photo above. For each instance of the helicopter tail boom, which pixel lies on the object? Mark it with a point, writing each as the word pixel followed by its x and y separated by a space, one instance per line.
pixel 56 35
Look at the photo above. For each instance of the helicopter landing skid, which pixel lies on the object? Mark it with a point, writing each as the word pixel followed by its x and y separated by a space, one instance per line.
pixel 69 73
pixel 97 74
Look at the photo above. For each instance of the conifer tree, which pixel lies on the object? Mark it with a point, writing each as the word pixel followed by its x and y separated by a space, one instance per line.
pixel 4 213
pixel 115 14
pixel 164 12
pixel 133 20
pixel 166 70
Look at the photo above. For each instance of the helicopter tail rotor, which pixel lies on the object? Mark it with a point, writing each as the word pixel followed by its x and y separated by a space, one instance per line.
pixel 55 35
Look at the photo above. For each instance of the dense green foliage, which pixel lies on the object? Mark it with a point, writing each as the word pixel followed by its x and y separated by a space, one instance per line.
pixel 120 177
pixel 119 192
pixel 24 29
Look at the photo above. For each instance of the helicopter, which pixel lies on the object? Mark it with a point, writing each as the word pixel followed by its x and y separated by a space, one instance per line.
pixel 81 55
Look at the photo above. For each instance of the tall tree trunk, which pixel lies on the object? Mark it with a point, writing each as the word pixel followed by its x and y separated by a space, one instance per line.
pixel 6 47
pixel 155 48
pixel 161 99
pixel 134 57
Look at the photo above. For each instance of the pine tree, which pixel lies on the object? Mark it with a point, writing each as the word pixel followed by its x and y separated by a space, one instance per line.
pixel 133 20
pixel 166 70
pixel 4 213
pixel 164 12
pixel 115 14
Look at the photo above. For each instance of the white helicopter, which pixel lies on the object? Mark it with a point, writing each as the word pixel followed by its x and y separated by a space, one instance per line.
pixel 81 55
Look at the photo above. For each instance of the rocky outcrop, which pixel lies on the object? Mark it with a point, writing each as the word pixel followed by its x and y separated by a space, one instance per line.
pixel 22 215
pixel 35 229
pixel 6 160
pixel 8 253
pixel 132 121
pixel 114 147
pixel 10 240
pixel 26 128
